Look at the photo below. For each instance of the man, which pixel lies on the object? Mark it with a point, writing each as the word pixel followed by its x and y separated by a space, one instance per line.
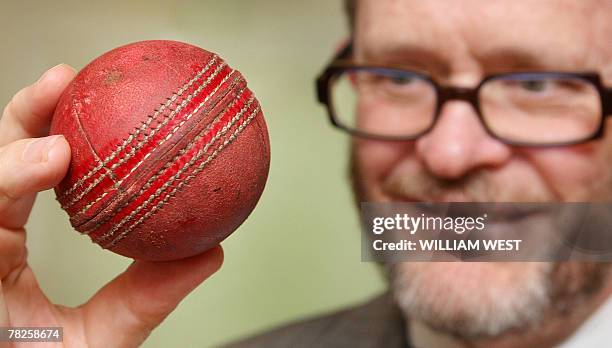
pixel 405 150
pixel 450 154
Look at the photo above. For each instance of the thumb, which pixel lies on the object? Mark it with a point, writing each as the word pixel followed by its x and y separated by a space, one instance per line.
pixel 126 310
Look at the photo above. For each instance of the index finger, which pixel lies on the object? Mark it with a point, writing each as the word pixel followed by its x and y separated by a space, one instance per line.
pixel 123 313
pixel 29 113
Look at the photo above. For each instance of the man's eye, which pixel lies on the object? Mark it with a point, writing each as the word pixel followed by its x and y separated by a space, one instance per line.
pixel 534 85
pixel 401 80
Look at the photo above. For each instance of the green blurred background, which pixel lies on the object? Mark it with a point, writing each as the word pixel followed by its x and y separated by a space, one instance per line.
pixel 298 254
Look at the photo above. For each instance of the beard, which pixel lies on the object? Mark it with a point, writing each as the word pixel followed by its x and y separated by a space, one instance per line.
pixel 489 299
pixel 472 300
pixel 480 299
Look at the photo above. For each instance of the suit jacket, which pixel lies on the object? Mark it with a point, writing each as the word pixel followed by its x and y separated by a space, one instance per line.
pixel 377 323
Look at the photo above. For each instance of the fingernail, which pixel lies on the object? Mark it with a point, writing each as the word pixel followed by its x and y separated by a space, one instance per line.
pixel 42 77
pixel 38 149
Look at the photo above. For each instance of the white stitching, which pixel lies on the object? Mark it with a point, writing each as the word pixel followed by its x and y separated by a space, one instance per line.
pixel 239 95
pixel 145 125
pixel 183 182
pixel 139 145
pixel 185 167
pixel 127 141
pixel 174 130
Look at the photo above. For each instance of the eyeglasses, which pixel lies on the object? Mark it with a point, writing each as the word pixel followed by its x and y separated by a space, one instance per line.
pixel 523 109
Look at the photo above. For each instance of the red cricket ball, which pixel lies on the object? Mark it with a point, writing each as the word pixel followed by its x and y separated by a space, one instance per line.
pixel 170 150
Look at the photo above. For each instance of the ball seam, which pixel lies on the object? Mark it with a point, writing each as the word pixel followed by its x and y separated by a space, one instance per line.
pixel 143 205
pixel 198 169
pixel 130 154
pixel 143 127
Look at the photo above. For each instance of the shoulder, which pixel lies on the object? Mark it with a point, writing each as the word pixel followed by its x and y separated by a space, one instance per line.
pixel 376 323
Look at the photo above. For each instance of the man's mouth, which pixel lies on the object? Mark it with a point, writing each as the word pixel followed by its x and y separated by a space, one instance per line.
pixel 457 205
pixel 443 198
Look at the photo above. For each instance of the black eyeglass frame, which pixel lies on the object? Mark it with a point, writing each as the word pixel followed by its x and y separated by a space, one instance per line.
pixel 342 63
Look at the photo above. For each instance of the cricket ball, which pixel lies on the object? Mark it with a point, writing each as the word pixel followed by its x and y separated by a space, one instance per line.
pixel 170 150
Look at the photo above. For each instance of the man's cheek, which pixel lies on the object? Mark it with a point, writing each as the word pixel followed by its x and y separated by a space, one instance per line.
pixel 375 159
pixel 372 163
pixel 572 173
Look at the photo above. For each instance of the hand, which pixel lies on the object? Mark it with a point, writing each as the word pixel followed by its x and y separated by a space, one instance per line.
pixel 122 313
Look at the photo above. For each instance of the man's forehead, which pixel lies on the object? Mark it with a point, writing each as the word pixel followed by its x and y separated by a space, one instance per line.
pixel 482 28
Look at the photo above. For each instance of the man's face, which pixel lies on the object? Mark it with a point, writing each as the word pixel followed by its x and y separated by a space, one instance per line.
pixel 457 43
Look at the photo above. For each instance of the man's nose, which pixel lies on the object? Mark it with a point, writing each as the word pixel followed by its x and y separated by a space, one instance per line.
pixel 459 143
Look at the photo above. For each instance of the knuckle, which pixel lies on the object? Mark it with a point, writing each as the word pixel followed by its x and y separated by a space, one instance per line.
pixel 18 100
pixel 7 191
